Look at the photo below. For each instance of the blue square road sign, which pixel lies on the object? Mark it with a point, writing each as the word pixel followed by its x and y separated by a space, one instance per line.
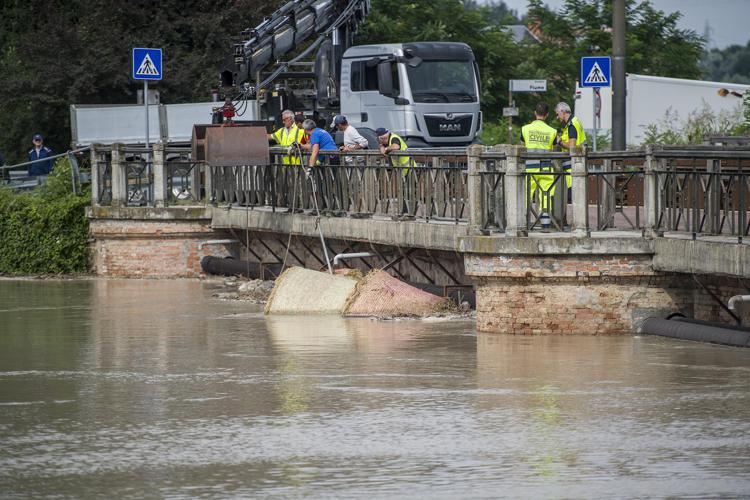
pixel 596 71
pixel 147 64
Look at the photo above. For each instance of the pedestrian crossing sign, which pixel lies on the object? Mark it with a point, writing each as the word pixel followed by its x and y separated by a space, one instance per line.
pixel 595 72
pixel 147 64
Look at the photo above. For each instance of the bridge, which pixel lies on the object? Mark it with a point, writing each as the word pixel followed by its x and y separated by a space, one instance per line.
pixel 638 233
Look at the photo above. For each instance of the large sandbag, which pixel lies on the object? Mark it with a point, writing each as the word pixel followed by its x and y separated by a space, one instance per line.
pixel 302 291
pixel 380 294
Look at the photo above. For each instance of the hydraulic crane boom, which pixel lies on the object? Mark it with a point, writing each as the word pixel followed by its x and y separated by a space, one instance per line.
pixel 286 30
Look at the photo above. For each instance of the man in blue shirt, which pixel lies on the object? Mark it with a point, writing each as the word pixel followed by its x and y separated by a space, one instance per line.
pixel 319 140
pixel 327 177
pixel 38 152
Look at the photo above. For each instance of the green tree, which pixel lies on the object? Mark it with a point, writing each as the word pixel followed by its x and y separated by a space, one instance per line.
pixel 731 64
pixel 654 43
pixel 60 52
pixel 455 21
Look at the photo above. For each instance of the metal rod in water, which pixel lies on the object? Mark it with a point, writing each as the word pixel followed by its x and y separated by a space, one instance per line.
pixel 320 230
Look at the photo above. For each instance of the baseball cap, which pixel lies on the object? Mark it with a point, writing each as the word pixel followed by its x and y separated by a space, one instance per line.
pixel 37 137
pixel 381 131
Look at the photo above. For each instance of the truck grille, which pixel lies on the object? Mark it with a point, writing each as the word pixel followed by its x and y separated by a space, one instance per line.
pixel 441 126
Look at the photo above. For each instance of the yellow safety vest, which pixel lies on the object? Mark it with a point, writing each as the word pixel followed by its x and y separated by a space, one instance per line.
pixel 286 137
pixel 539 136
pixel 579 129
pixel 402 161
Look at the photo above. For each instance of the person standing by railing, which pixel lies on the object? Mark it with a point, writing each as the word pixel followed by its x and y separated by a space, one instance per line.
pixel 571 135
pixel 390 141
pixel 287 136
pixel 319 141
pixel 540 137
pixel 38 152
pixel 353 140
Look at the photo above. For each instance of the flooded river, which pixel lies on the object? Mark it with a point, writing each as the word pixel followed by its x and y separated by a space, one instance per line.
pixel 155 389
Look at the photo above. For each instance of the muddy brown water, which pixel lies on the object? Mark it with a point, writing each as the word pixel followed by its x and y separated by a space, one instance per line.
pixel 155 389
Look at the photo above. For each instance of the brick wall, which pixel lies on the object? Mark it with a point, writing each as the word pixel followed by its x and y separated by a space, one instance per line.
pixel 582 294
pixel 152 249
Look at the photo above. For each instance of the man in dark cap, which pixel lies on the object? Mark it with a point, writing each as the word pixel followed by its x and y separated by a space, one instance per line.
pixel 38 152
pixel 390 141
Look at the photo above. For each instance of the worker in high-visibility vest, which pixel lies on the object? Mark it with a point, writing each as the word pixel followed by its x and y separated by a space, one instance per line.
pixel 538 136
pixel 571 135
pixel 390 141
pixel 287 136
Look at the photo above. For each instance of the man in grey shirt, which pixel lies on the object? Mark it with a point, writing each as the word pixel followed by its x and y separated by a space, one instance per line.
pixel 353 140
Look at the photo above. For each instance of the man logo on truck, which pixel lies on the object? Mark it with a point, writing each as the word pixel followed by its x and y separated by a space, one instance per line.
pixel 450 127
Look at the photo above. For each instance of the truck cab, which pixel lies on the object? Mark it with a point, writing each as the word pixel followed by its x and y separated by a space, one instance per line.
pixel 427 92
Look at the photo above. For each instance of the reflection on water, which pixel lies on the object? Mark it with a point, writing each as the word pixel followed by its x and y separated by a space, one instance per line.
pixel 152 388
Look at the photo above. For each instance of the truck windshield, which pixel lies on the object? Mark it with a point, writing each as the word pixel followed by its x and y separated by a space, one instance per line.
pixel 443 81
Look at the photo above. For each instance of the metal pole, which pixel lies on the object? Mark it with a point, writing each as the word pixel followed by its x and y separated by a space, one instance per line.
pixel 257 96
pixel 510 118
pixel 145 104
pixel 597 96
pixel 618 75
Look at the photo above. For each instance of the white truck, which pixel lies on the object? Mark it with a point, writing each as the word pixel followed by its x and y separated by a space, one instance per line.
pixel 651 100
pixel 427 92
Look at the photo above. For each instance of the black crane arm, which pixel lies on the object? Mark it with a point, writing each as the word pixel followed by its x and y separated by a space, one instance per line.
pixel 287 29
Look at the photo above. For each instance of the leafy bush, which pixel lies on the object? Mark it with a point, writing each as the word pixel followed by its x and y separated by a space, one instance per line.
pixel 44 232
pixel 672 130
pixel 497 133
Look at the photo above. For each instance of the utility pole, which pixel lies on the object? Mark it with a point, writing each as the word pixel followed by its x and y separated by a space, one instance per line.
pixel 618 75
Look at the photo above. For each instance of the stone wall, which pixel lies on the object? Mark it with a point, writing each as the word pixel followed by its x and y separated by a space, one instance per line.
pixel 162 248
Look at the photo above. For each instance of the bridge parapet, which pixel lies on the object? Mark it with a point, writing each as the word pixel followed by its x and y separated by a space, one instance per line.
pixel 693 193
pixel 160 176
pixel 699 191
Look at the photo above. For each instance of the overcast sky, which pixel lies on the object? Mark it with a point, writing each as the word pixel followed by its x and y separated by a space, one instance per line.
pixel 728 19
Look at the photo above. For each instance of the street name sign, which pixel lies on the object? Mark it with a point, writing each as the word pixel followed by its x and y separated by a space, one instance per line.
pixel 527 85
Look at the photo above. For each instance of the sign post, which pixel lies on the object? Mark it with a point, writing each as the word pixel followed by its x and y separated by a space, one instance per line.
pixel 146 66
pixel 520 86
pixel 596 73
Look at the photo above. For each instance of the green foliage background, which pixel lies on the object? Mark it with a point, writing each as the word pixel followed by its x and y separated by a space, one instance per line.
pixel 44 232
pixel 55 53
pixel 655 45
pixel 731 64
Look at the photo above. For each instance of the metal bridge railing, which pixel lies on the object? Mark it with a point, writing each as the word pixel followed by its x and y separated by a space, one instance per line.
pixel 361 184
pixel 101 175
pixel 615 191
pixel 703 192
pixel 156 177
pixel 695 190
pixel 137 168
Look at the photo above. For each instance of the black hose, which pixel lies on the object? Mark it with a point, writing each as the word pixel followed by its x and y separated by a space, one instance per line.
pixel 234 267
pixel 700 331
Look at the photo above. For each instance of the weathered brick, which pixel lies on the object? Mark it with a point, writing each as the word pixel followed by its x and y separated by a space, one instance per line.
pixel 151 249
